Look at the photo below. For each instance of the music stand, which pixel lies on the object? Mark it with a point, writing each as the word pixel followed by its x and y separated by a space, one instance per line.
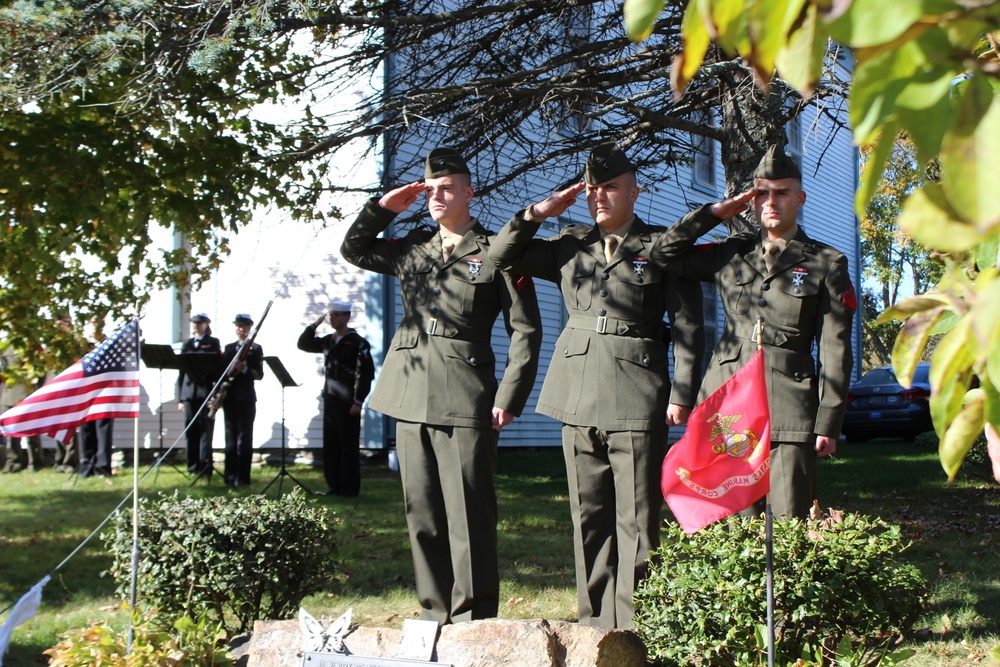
pixel 160 357
pixel 204 368
pixel 286 381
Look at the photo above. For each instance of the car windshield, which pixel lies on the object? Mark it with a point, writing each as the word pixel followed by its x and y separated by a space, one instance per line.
pixel 922 374
pixel 877 376
pixel 881 376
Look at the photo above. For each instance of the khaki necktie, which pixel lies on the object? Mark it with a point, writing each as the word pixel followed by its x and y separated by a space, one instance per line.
pixel 610 243
pixel 771 252
pixel 448 244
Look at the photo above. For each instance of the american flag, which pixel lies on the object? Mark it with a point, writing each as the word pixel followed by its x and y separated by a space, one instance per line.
pixel 105 383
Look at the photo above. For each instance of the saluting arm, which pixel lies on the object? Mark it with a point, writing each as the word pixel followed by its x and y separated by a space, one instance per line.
pixel 309 341
pixel 515 250
pixel 362 246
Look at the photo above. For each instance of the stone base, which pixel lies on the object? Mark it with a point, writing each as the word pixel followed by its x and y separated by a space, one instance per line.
pixel 488 643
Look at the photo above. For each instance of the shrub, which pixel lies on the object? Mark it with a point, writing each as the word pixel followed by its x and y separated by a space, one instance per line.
pixel 704 600
pixel 237 559
pixel 190 644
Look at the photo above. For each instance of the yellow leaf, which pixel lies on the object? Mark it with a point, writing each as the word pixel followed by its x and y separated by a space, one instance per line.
pixel 912 305
pixel 640 17
pixel 929 219
pixel 800 63
pixel 911 341
pixel 968 155
pixel 874 168
pixel 696 43
pixel 951 374
pixel 961 433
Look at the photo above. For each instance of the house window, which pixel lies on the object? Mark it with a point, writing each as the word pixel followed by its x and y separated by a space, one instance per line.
pixel 793 132
pixel 703 168
pixel 576 113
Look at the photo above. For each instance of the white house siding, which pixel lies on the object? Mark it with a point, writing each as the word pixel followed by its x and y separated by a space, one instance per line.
pixel 297 265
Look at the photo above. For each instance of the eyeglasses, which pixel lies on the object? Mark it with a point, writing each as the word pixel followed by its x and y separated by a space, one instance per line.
pixel 333 314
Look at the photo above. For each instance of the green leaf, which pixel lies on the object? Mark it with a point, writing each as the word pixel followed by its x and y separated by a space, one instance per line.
pixel 991 400
pixel 923 108
pixel 946 323
pixel 986 311
pixel 871 175
pixel 640 17
pixel 929 219
pixel 874 86
pixel 729 22
pixel 912 340
pixel 869 23
pixel 800 63
pixel 987 253
pixel 770 23
pixel 961 433
pixel 951 371
pixel 968 155
pixel 696 43
pixel 911 306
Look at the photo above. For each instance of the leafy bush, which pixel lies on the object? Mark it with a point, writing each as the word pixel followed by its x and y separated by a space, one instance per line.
pixel 190 644
pixel 704 600
pixel 238 559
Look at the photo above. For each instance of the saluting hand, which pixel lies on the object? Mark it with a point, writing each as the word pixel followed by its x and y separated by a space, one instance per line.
pixel 727 208
pixel 556 204
pixel 401 198
pixel 320 320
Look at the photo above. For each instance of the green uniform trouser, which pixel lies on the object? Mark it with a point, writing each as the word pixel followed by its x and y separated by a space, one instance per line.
pixel 24 453
pixel 793 481
pixel 615 500
pixel 451 514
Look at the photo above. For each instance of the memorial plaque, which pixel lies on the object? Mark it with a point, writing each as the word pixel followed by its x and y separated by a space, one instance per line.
pixel 338 660
pixel 419 638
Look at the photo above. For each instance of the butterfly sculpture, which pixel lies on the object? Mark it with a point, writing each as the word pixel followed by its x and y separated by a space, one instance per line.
pixel 317 639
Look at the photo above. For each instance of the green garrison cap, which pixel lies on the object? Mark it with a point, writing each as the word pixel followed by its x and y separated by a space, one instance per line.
pixel 444 161
pixel 776 165
pixel 606 162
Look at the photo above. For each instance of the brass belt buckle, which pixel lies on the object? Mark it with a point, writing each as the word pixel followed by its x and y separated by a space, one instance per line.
pixel 432 327
pixel 602 324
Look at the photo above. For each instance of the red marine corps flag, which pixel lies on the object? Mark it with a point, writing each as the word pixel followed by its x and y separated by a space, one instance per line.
pixel 105 383
pixel 722 463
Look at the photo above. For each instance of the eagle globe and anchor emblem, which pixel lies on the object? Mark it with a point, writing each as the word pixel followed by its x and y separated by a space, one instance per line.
pixel 737 444
pixel 724 439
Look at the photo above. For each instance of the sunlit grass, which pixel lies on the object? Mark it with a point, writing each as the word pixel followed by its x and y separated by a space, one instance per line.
pixel 955 529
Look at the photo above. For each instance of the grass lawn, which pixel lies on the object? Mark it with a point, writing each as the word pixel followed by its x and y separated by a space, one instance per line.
pixel 955 529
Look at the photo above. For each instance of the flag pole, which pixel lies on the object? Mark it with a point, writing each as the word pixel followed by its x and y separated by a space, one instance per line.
pixel 134 576
pixel 768 530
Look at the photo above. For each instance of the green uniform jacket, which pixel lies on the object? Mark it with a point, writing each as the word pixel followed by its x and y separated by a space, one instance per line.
pixel 806 297
pixel 609 368
pixel 440 368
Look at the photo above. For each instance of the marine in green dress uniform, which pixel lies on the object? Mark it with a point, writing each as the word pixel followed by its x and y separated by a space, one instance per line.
pixel 803 296
pixel 438 380
pixel 608 379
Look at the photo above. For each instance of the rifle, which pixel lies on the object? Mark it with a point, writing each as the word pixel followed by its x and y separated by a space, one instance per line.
pixel 219 391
